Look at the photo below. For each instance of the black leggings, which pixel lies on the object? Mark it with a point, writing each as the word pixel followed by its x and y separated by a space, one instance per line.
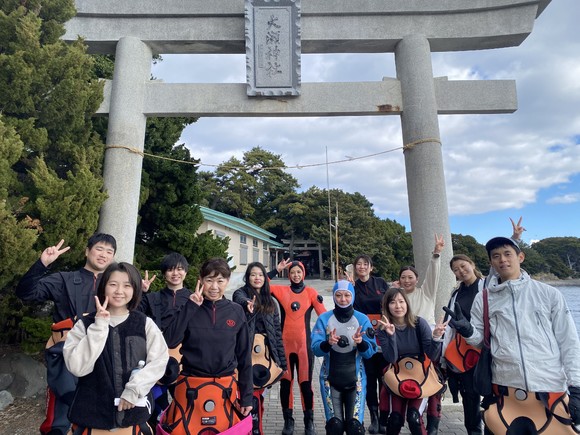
pixel 374 367
pixel 343 401
pixel 305 387
pixel 470 400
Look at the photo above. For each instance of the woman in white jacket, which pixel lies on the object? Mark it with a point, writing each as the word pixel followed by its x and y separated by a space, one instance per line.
pixel 422 301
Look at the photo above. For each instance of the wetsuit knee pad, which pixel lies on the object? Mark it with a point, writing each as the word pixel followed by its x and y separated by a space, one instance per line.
pixel 414 420
pixel 354 427
pixel 334 426
pixel 395 422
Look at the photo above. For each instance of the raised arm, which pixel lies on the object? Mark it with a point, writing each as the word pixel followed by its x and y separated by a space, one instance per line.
pixel 431 281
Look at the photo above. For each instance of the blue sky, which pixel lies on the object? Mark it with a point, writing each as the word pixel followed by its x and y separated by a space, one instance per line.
pixel 496 166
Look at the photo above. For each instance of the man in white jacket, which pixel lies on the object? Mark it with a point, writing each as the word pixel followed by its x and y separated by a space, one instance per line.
pixel 534 341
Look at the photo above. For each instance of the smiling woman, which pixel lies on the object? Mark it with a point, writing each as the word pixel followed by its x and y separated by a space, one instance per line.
pixel 214 341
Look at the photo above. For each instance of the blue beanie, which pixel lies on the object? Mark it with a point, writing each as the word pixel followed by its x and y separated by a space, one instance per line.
pixel 343 285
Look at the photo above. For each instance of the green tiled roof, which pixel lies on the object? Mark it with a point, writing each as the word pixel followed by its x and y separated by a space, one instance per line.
pixel 237 224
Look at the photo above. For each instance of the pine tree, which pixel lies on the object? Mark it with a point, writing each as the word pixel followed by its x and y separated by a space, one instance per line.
pixel 50 157
pixel 48 94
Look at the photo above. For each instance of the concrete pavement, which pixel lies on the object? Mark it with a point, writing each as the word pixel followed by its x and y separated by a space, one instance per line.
pixel 452 414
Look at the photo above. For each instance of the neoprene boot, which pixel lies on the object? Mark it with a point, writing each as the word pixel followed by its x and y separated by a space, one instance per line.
pixel 288 422
pixel 432 425
pixel 374 413
pixel 309 422
pixel 383 417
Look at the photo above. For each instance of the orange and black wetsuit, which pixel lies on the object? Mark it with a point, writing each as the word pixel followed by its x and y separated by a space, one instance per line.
pixel 296 304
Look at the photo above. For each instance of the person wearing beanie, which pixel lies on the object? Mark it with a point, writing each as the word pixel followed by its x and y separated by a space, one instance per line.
pixel 296 304
pixel 343 337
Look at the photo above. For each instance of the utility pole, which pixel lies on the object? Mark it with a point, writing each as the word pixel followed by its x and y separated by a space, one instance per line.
pixel 332 275
pixel 336 238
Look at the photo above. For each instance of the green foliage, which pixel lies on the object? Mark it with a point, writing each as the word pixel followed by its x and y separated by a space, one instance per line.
pixel 69 204
pixel 246 190
pixel 562 255
pixel 50 156
pixel 305 216
pixel 36 333
pixel 17 239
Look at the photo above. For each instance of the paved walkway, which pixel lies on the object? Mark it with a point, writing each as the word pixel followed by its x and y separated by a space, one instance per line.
pixel 452 414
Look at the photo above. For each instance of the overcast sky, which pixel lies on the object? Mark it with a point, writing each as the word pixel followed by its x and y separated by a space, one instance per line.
pixel 496 166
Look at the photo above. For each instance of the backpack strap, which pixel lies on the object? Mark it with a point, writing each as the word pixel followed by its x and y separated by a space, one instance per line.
pixel 73 284
pixel 486 328
pixel 421 356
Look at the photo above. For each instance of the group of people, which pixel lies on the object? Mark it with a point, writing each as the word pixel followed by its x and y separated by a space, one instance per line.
pixel 112 370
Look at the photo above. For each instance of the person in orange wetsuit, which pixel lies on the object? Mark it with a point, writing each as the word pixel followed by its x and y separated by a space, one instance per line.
pixel 296 304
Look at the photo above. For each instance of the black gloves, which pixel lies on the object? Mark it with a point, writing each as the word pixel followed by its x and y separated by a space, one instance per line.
pixel 460 323
pixel 574 404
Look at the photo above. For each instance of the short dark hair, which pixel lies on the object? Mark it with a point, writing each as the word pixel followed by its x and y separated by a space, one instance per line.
pixel 363 257
pixel 107 239
pixel 134 279
pixel 172 261
pixel 214 267
pixel 498 242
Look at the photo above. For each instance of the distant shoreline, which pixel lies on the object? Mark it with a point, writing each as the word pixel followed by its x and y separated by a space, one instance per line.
pixel 562 282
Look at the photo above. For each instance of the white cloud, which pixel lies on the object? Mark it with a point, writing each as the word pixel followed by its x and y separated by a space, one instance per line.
pixel 564 199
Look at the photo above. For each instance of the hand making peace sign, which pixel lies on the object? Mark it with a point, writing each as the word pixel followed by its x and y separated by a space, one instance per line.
pixel 439 244
pixel 518 229
pixel 358 336
pixel 50 254
pixel 387 326
pixel 282 265
pixel 146 282
pixel 102 309
pixel 440 326
pixel 197 295
pixel 250 305
pixel 332 337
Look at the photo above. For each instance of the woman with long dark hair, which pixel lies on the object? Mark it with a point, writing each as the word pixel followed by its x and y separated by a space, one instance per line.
pixel 459 357
pixel 263 318
pixel 403 334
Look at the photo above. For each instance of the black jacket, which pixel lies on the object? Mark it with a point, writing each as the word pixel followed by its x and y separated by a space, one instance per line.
pixel 369 295
pixel 214 342
pixel 271 322
pixel 161 306
pixel 73 293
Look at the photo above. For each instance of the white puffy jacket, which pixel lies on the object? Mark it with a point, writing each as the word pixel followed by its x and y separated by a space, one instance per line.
pixel 534 342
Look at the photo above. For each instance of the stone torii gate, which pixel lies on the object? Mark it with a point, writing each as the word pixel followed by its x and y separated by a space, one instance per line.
pixel 134 30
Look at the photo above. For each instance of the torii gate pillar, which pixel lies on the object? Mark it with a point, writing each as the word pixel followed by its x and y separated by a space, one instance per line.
pixel 423 157
pixel 126 130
